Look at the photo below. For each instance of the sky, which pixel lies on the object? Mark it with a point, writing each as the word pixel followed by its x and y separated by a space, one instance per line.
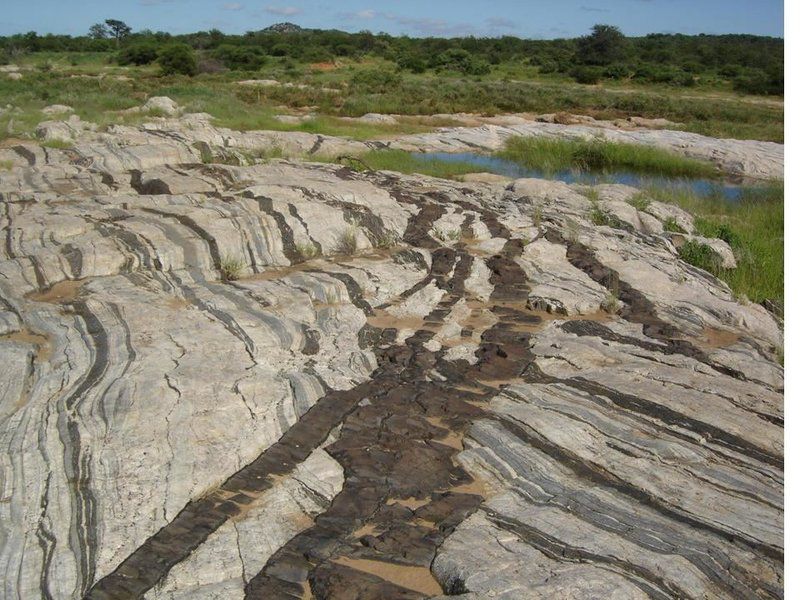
pixel 524 18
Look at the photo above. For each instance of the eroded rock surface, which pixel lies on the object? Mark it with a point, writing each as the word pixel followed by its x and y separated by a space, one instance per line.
pixel 292 380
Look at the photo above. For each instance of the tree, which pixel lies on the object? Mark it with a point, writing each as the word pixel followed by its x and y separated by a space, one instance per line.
pixel 605 45
pixel 118 29
pixel 98 31
pixel 178 59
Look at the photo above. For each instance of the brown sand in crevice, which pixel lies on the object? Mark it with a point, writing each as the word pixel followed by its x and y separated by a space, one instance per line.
pixel 61 292
pixel 307 595
pixel 712 338
pixel 366 529
pixel 414 578
pixel 383 319
pixel 281 272
pixel 177 303
pixel 40 342
pixel 477 486
pixel 411 503
pixel 452 439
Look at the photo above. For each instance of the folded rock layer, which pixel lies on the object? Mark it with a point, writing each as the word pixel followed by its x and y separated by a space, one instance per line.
pixel 294 380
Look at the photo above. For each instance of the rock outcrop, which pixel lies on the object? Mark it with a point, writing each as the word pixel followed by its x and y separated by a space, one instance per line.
pixel 292 379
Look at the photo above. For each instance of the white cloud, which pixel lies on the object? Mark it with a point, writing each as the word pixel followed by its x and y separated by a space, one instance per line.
pixel 501 23
pixel 233 6
pixel 286 11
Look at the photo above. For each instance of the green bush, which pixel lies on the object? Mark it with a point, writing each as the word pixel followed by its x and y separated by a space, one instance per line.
pixel 241 58
pixel 761 83
pixel 178 59
pixel 462 61
pixel 548 66
pixel 586 75
pixel 617 71
pixel 376 81
pixel 413 63
pixel 138 54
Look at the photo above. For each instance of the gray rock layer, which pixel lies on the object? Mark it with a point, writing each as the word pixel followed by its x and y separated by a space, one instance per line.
pixel 294 380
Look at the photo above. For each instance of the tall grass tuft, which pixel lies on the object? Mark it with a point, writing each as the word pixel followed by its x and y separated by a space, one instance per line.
pixel 552 155
pixel 752 226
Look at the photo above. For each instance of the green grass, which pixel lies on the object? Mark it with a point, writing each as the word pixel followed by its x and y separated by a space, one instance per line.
pixel 754 229
pixel 59 144
pixel 553 155
pixel 89 82
pixel 404 162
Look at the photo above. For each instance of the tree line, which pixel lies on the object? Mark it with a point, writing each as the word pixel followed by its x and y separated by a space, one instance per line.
pixel 753 63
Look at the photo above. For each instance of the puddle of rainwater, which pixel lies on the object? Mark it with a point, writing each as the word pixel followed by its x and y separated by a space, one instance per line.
pixel 727 189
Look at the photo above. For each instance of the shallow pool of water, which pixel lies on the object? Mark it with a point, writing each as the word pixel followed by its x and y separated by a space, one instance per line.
pixel 501 166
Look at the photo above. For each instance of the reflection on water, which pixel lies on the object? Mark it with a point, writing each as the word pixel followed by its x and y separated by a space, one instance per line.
pixel 492 164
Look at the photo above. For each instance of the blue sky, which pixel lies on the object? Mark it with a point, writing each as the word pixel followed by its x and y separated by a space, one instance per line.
pixel 531 18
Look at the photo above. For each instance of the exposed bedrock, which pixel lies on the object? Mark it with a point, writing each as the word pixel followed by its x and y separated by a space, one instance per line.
pixel 294 380
pixel 176 139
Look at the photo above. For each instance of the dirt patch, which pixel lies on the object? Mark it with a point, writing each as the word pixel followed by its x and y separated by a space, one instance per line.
pixel 712 338
pixel 60 293
pixel 418 579
pixel 323 66
pixel 42 343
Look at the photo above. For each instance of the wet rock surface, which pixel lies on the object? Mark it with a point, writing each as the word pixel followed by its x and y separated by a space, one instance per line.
pixel 294 380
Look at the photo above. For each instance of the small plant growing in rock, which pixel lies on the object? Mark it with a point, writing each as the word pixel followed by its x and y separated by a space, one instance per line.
pixel 640 201
pixel 573 230
pixel 388 239
pixel 348 242
pixel 670 224
pixel 598 216
pixel 5 165
pixel 454 234
pixel 701 256
pixel 331 297
pixel 537 217
pixel 230 268
pixel 611 303
pixel 58 144
pixel 307 251
pixel 591 194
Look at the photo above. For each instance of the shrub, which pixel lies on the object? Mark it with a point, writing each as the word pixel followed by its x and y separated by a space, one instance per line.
pixel 413 63
pixel 586 75
pixel 178 59
pixel 548 66
pixel 376 81
pixel 461 61
pixel 761 83
pixel 241 58
pixel 618 71
pixel 138 54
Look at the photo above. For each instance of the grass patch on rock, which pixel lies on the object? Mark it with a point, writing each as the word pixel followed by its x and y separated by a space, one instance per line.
pixel 404 162
pixel 753 227
pixel 553 155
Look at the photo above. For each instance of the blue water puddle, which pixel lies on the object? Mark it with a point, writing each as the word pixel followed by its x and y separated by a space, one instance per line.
pixel 501 166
